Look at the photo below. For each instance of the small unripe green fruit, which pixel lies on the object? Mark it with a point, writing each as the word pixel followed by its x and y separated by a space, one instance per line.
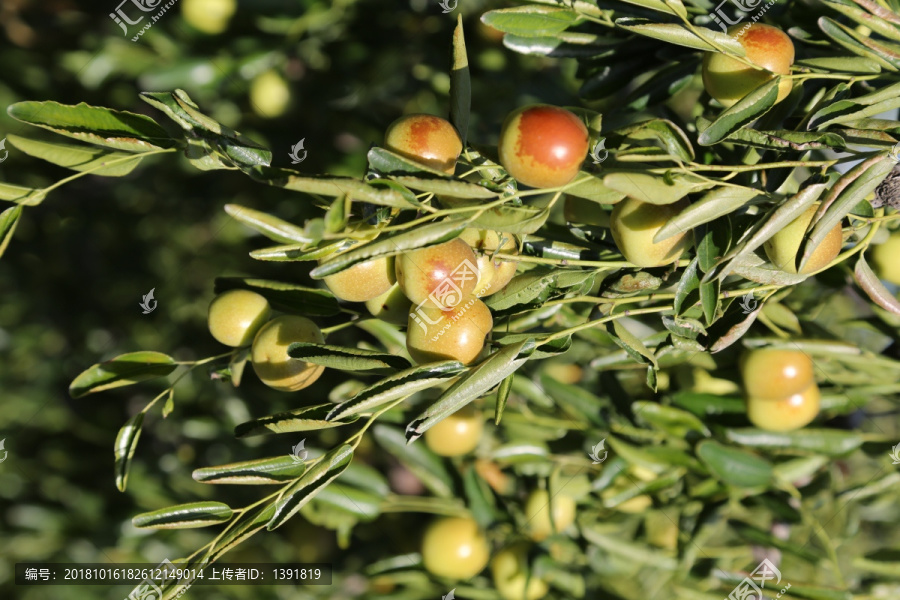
pixel 493 275
pixel 537 512
pixel 787 413
pixel 543 146
pixel 269 95
pixel 509 570
pixel 209 16
pixel 456 334
pixel 235 317
pixel 392 306
pixel 457 434
pixel 426 139
pixel 363 281
pixel 782 248
pixel 445 273
pixel 886 259
pixel 771 373
pixel 269 354
pixel 455 548
pixel 728 80
pixel 634 224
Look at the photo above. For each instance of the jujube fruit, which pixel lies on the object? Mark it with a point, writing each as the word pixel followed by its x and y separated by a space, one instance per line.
pixel 886 259
pixel 783 248
pixel 269 95
pixel 448 270
pixel 454 547
pixel 426 139
pixel 509 569
pixel 269 354
pixel 493 275
pixel 363 281
pixel 543 146
pixel 775 373
pixel 235 316
pixel 538 509
pixel 728 80
pixel 456 434
pixel 208 16
pixel 456 334
pixel 392 306
pixel 634 224
pixel 790 412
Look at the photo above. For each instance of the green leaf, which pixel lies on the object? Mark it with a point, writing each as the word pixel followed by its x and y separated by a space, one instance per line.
pixel 593 189
pixel 567 44
pixel 460 83
pixel 398 385
pixel 671 137
pixel 714 204
pixel 287 297
pixel 474 384
pixel 126 369
pixel 362 504
pixel 502 397
pixel 271 227
pixel 330 185
pixel 685 296
pixel 297 252
pixel 860 44
pixel 95 125
pixel 673 421
pixel 479 497
pixel 79 158
pixel 185 516
pixel 519 220
pixel 827 442
pixel 391 245
pixel 307 418
pixel 575 400
pixel 872 286
pixel 655 189
pixel 346 359
pixel 747 109
pixel 783 139
pixel 21 195
pixel 842 64
pixel 326 470
pixel 245 525
pixel 126 443
pixel 877 23
pixel 531 20
pixel 631 344
pixel 676 33
pixel 422 462
pixel 734 467
pixel 9 218
pixel 252 472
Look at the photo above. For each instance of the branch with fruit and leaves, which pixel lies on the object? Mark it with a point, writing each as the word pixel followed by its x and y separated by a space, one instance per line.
pixel 492 276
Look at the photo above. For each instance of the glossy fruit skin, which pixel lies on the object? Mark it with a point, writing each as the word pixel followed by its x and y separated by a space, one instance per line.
pixel 728 80
pixel 634 223
pixel 392 306
pixel 787 413
pixel 493 275
pixel 454 547
pixel 509 571
pixel 209 16
pixel 772 373
pixel 782 248
pixel 269 355
pixel 886 259
pixel 363 281
pixel 580 210
pixel 426 139
pixel 457 434
pixel 269 95
pixel 537 513
pixel 456 334
pixel 449 271
pixel 235 316
pixel 543 146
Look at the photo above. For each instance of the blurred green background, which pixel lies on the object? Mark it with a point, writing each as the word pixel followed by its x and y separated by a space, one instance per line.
pixel 79 264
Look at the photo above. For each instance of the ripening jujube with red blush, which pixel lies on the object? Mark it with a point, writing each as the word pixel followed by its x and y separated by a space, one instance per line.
pixel 457 334
pixel 543 146
pixel 728 80
pixel 449 271
pixel 426 139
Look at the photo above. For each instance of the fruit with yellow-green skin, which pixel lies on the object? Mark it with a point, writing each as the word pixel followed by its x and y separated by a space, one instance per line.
pixel 457 434
pixel 509 569
pixel 454 547
pixel 391 307
pixel 209 16
pixel 886 259
pixel 786 413
pixel 363 281
pixel 457 334
pixel 772 373
pixel 728 80
pixel 269 95
pixel 235 317
pixel 783 247
pixel 426 139
pixel 634 224
pixel 493 275
pixel 538 509
pixel 269 354
pixel 449 271
pixel 543 146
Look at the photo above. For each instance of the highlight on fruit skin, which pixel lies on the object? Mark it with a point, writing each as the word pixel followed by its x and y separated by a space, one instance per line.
pixel 540 506
pixel 457 334
pixel 270 95
pixel 454 547
pixel 543 146
pixel 426 139
pixel 634 224
pixel 784 247
pixel 457 434
pixel 510 571
pixel 363 281
pixel 438 276
pixel 269 354
pixel 208 16
pixel 786 413
pixel 728 79
pixel 775 373
pixel 235 316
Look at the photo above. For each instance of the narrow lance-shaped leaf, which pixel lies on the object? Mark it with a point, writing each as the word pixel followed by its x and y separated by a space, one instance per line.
pixel 271 227
pixel 253 472
pixel 872 286
pixel 287 297
pixel 747 109
pixel 346 359
pixel 9 218
pixel 676 33
pixel 307 418
pixel 734 467
pixel 329 185
pixel 714 204
pixel 21 195
pixel 460 83
pixel 329 467
pixel 502 397
pixel 185 516
pixel 98 161
pixel 531 20
pixel 126 443
pixel 126 369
